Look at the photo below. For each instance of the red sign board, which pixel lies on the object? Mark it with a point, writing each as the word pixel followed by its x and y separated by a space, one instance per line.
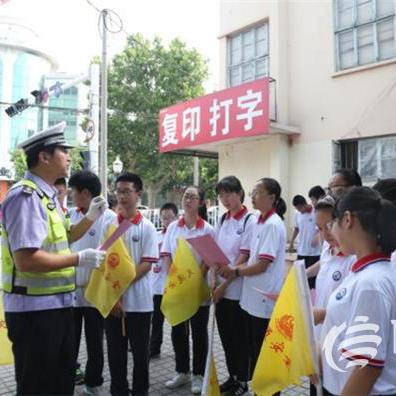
pixel 232 113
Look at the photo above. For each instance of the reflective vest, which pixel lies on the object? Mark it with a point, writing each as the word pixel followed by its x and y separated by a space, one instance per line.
pixel 39 283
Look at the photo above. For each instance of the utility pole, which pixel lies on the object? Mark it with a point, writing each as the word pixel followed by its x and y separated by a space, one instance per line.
pixel 103 108
pixel 93 143
pixel 196 171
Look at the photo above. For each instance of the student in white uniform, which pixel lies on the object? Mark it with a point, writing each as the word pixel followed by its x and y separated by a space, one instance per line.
pixel 305 227
pixel 231 231
pixel 333 266
pixel 265 269
pixel 191 224
pixel 387 189
pixel 342 180
pixel 315 193
pixel 168 213
pixel 136 304
pixel 85 186
pixel 357 341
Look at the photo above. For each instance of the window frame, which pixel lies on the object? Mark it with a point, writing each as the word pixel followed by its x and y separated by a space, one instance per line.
pixel 347 154
pixel 354 28
pixel 255 58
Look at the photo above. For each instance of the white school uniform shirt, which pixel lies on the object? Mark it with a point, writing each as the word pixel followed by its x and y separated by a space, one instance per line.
pixel 158 270
pixel 333 270
pixel 230 235
pixel 366 297
pixel 178 229
pixel 142 244
pixel 93 238
pixel 266 240
pixel 307 230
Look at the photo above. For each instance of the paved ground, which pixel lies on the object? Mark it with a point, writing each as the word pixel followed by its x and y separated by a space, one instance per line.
pixel 161 370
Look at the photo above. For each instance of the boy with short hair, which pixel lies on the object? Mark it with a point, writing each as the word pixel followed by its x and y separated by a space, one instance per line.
pixel 136 304
pixel 168 213
pixel 85 186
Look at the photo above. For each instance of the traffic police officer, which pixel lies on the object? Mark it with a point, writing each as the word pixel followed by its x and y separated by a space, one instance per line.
pixel 38 268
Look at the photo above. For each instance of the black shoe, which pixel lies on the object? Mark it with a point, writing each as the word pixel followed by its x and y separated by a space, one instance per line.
pixel 79 377
pixel 239 389
pixel 227 386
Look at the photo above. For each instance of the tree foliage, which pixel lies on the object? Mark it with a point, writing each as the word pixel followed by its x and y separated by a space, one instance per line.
pixel 146 77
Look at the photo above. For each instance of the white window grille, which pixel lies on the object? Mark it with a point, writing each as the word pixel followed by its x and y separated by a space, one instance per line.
pixel 364 32
pixel 248 57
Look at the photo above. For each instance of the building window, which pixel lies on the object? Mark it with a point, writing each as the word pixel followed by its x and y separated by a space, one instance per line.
pixel 248 55
pixel 373 158
pixel 364 32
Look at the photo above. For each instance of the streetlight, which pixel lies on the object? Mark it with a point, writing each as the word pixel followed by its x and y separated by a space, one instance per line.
pixel 117 165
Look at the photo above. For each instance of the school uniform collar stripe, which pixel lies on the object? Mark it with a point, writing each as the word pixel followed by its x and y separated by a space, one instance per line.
pixel 135 220
pixel 238 215
pixel 198 225
pixel 263 219
pixel 310 209
pixel 368 260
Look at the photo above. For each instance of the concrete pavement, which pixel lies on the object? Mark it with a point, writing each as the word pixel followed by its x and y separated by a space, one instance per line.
pixel 161 370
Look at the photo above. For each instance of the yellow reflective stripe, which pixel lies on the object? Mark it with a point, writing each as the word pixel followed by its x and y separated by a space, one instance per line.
pixel 55 246
pixel 40 282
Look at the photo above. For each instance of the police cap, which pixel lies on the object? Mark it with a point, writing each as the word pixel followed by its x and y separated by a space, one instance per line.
pixel 53 136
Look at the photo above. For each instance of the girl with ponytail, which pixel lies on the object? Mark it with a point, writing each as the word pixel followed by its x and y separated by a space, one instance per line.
pixel 191 224
pixel 364 225
pixel 265 267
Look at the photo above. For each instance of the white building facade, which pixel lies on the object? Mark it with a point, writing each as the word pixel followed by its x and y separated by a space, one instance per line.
pixel 332 64
pixel 22 66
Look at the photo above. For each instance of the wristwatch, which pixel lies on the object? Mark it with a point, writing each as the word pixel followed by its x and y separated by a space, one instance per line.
pixel 237 272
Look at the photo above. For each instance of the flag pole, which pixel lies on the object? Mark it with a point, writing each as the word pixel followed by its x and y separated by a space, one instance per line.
pixel 309 319
pixel 205 385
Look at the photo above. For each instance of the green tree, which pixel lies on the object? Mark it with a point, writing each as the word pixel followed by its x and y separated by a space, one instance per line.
pixel 18 159
pixel 146 77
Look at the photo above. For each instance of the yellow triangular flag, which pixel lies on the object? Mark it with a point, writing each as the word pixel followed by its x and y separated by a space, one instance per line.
pixel 6 356
pixel 109 282
pixel 286 354
pixel 185 288
pixel 210 382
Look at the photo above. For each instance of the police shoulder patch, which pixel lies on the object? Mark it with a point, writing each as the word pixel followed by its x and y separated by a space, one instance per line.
pixel 27 190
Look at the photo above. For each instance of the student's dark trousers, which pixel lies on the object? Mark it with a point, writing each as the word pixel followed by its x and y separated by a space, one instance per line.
pixel 256 329
pixel 43 344
pixel 93 327
pixel 180 341
pixel 309 260
pixel 156 326
pixel 138 334
pixel 230 323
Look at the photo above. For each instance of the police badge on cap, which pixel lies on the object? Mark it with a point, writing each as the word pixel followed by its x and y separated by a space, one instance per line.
pixel 53 136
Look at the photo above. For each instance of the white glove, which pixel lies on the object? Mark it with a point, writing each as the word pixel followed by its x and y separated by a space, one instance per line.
pixel 90 258
pixel 96 208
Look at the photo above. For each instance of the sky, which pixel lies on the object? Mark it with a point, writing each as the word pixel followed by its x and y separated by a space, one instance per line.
pixel 69 28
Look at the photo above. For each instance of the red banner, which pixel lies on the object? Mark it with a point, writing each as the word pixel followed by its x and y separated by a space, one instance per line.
pixel 232 113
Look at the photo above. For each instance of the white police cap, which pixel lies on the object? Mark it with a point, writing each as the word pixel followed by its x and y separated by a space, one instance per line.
pixel 53 136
